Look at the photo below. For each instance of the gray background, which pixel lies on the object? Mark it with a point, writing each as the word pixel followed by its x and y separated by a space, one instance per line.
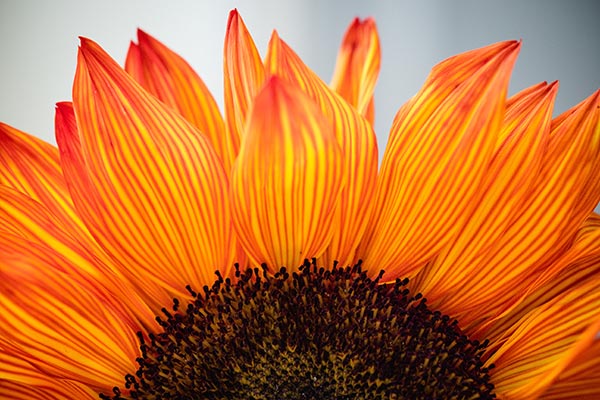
pixel 38 43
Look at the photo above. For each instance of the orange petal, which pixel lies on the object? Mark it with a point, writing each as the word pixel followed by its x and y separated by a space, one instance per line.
pixel 150 188
pixel 357 140
pixel 357 66
pixel 562 196
pixel 171 79
pixel 577 266
pixel 24 217
pixel 243 72
pixel 67 326
pixel 546 342
pixel 439 146
pixel 21 381
pixel 579 381
pixel 286 184
pixel 460 278
pixel 32 166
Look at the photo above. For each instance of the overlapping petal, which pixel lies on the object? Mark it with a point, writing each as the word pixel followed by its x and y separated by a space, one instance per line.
pixel 439 146
pixel 287 179
pixel 148 185
pixel 32 167
pixel 30 220
pixel 170 78
pixel 357 140
pixel 20 380
pixel 546 341
pixel 70 327
pixel 580 379
pixel 579 265
pixel 357 66
pixel 456 276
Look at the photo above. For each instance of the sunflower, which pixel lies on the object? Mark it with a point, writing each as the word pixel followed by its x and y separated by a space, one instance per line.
pixel 163 251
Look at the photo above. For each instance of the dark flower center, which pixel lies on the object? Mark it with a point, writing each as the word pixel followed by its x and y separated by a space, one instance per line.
pixel 314 334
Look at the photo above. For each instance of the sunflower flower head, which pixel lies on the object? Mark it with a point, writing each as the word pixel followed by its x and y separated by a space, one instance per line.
pixel 166 251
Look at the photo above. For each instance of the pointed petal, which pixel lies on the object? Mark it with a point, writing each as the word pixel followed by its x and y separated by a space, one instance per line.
pixel 286 184
pixel 439 146
pixel 171 79
pixel 460 278
pixel 580 379
pixel 357 66
pixel 357 140
pixel 67 326
pixel 21 381
pixel 562 196
pixel 546 342
pixel 243 73
pixel 149 187
pixel 32 166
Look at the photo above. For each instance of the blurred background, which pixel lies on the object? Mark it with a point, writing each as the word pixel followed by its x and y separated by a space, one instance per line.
pixel 39 39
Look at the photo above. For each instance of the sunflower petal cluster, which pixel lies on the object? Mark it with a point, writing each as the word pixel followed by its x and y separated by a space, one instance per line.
pixel 484 201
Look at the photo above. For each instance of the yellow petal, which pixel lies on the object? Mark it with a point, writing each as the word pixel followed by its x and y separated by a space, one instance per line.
pixel 545 342
pixel 243 73
pixel 357 66
pixel 357 140
pixel 287 179
pixel 21 381
pixel 67 326
pixel 439 146
pixel 171 79
pixel 579 381
pixel 147 184
pixel 460 278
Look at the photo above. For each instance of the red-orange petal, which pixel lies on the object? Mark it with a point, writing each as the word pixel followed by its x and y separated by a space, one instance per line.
pixel 172 80
pixel 357 140
pixel 459 278
pixel 32 166
pixel 147 184
pixel 357 66
pixel 19 380
pixel 287 179
pixel 243 73
pixel 545 342
pixel 22 216
pixel 439 146
pixel 65 324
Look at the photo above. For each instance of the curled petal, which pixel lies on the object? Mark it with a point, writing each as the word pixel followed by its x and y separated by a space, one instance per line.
pixel 69 327
pixel 357 66
pixel 439 146
pixel 147 184
pixel 545 342
pixel 357 140
pixel 21 381
pixel 171 79
pixel 243 73
pixel 287 179
pixel 456 278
